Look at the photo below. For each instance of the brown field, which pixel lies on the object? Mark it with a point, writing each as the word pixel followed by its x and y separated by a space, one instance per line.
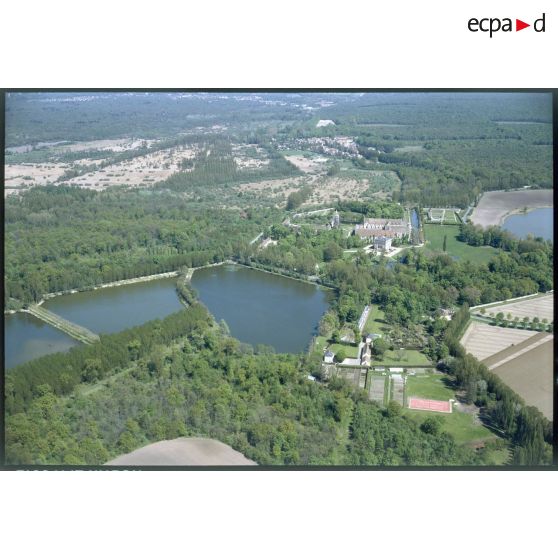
pixel 184 452
pixel 541 307
pixel 530 376
pixel 483 340
pixel 495 206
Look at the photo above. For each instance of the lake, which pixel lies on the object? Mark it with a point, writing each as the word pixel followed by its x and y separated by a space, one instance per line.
pixel 27 337
pixel 258 307
pixel 102 311
pixel 262 308
pixel 116 308
pixel 538 222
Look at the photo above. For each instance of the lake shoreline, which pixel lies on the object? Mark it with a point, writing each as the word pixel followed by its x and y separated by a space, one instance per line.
pixel 521 211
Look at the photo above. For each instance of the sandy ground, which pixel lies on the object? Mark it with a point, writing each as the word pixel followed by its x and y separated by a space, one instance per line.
pixel 116 145
pixel 33 174
pixel 530 376
pixel 540 307
pixel 315 164
pixel 184 452
pixel 140 171
pixel 495 206
pixel 483 340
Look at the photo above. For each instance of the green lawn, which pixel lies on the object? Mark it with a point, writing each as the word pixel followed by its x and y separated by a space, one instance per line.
pixel 434 235
pixel 350 350
pixel 320 344
pixel 375 323
pixel 459 425
pixel 431 386
pixel 410 357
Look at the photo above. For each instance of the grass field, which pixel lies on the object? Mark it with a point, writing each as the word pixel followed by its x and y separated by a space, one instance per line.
pixel 459 424
pixel 350 350
pixel 410 357
pixel 375 323
pixel 434 235
pixel 433 386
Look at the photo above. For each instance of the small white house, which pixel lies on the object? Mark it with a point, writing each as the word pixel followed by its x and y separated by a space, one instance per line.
pixel 382 244
pixel 328 357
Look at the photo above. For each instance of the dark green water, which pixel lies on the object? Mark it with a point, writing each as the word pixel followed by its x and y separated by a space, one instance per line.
pixel 116 308
pixel 262 308
pixel 27 337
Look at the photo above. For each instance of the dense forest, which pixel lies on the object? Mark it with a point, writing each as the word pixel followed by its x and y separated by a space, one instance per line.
pixel 205 384
pixel 59 238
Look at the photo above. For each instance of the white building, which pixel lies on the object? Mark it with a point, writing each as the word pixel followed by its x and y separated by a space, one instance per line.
pixel 328 357
pixel 382 243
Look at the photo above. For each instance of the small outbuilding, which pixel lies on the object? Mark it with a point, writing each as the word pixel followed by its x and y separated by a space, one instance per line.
pixel 328 357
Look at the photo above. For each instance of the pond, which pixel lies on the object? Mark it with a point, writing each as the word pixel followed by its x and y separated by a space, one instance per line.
pixel 102 311
pixel 259 308
pixel 538 222
pixel 116 308
pixel 27 337
pixel 262 308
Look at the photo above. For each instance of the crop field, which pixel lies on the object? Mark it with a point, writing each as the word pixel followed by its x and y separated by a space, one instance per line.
pixel 493 207
pixel 530 375
pixel 483 340
pixel 435 234
pixel 541 307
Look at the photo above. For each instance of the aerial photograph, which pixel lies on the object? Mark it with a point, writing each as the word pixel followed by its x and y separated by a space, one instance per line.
pixel 297 279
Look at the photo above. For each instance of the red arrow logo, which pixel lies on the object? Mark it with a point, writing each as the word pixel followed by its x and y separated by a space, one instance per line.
pixel 519 25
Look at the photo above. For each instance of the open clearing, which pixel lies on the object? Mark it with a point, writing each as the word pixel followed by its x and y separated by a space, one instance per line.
pixel 483 340
pixel 494 207
pixel 26 175
pixel 184 452
pixel 530 376
pixel 115 145
pixel 328 190
pixel 306 164
pixel 541 307
pixel 279 187
pixel 434 235
pixel 139 171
